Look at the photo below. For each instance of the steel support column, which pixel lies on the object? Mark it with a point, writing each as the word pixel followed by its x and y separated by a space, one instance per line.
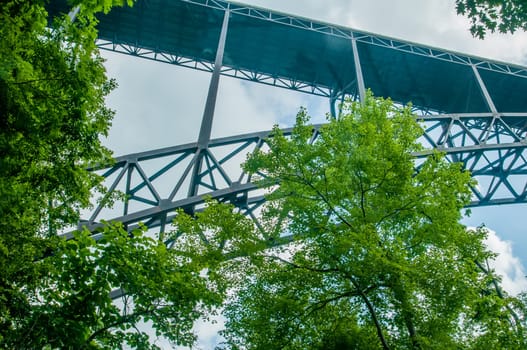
pixel 210 105
pixel 358 70
pixel 485 92
pixel 333 100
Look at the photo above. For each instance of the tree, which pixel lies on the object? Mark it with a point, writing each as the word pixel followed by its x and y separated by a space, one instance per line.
pixel 52 113
pixel 165 290
pixel 504 16
pixel 55 293
pixel 379 259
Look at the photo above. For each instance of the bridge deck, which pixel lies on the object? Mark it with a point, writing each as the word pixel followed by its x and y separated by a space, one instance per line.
pixel 310 56
pixel 472 108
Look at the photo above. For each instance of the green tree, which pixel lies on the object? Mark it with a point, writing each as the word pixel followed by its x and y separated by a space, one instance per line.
pixel 56 293
pixel 504 16
pixel 164 292
pixel 52 113
pixel 378 259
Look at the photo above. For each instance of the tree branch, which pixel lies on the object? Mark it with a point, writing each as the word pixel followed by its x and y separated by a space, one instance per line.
pixel 321 304
pixel 499 293
pixel 330 206
pixel 373 314
pixel 122 320
pixel 300 266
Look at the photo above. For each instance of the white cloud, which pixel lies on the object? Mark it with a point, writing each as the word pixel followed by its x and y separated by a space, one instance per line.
pixel 157 104
pixel 507 265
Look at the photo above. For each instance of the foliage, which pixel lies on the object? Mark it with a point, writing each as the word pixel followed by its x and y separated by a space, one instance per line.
pixel 72 308
pixel 217 233
pixel 378 258
pixel 52 89
pixel 504 16
pixel 163 290
pixel 55 293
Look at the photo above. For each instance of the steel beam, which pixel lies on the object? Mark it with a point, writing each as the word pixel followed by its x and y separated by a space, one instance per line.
pixel 484 91
pixel 210 106
pixel 358 70
pixel 492 147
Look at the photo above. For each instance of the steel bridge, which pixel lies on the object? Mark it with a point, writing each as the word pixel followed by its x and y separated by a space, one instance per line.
pixel 472 109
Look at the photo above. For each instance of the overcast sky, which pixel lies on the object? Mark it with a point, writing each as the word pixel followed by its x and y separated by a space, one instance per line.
pixel 161 105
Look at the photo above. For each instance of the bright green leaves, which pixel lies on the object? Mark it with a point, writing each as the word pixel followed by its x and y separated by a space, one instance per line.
pixel 53 86
pixel 357 164
pixel 493 15
pixel 73 307
pixel 216 242
pixel 378 249
pixel 56 293
pixel 94 6
pixel 215 232
pixel 51 116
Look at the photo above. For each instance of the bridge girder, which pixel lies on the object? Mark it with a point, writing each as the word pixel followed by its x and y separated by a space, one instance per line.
pixel 156 183
pixel 473 109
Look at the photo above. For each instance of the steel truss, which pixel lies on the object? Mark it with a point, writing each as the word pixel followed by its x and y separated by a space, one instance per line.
pixel 156 183
pixel 206 66
pixel 286 81
pixel 491 144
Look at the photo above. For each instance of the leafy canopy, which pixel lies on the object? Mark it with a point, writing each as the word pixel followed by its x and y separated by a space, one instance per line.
pixel 56 293
pixel 379 258
pixel 52 113
pixel 504 16
pixel 163 288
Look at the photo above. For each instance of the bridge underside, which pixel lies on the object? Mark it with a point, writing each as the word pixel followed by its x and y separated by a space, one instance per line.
pixel 159 182
pixel 472 109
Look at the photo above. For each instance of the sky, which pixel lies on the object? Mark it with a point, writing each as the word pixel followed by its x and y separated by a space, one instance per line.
pixel 160 105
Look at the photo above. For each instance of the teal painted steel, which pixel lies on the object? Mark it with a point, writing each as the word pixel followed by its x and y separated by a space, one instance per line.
pixel 472 109
pixel 309 56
